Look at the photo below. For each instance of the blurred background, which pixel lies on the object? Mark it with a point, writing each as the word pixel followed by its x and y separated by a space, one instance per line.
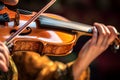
pixel 107 65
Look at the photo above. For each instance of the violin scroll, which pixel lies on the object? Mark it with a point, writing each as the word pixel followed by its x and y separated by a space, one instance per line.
pixel 116 44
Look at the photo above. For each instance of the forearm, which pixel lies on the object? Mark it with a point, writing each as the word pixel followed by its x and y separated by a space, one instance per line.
pixel 78 69
pixel 80 65
pixel 68 73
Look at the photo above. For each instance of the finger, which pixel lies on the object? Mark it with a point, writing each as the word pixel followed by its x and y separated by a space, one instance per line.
pixel 94 37
pixel 106 37
pixel 3 66
pixel 6 55
pixel 2 44
pixel 5 52
pixel 90 44
pixel 101 32
pixel 113 34
pixel 2 58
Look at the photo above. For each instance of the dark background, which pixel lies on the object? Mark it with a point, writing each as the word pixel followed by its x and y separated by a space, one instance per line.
pixel 107 65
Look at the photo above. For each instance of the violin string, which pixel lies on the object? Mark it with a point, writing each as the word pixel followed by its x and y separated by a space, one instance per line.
pixel 11 38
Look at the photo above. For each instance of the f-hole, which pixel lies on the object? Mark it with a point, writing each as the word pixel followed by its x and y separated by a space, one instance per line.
pixel 29 30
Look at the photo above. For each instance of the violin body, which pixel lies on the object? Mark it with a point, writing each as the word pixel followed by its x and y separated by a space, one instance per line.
pixel 48 41
pixel 42 40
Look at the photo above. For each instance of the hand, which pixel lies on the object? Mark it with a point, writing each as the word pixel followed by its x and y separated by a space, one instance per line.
pixel 102 37
pixel 4 57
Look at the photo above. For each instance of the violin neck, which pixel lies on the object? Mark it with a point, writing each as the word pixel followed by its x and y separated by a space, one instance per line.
pixel 66 25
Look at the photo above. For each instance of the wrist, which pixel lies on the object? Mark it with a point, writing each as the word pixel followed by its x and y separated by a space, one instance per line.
pixel 78 67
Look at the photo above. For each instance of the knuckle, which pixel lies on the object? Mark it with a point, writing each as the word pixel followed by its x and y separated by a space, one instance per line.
pixel 110 26
pixel 102 48
pixel 108 33
pixel 93 46
pixel 103 34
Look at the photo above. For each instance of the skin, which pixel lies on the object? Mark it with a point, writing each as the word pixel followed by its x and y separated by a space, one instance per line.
pixel 4 57
pixel 91 50
pixel 4 52
pixel 94 47
pixel 10 2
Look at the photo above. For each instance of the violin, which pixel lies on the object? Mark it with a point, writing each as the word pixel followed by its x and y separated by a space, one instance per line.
pixel 57 36
pixel 44 41
pixel 49 34
pixel 12 73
